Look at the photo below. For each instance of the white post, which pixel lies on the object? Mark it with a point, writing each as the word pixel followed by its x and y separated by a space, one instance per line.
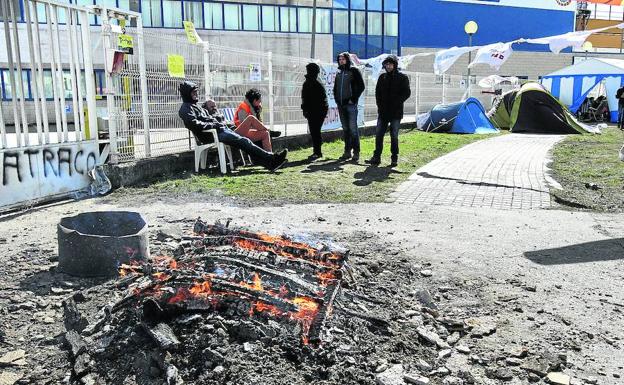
pixel 110 102
pixel 417 101
pixel 33 69
pixel 443 88
pixel 144 95
pixel 42 95
pixel 207 74
pixel 55 95
pixel 20 82
pixel 271 112
pixel 9 47
pixel 73 76
pixel 89 75
pixel 60 89
pixel 3 138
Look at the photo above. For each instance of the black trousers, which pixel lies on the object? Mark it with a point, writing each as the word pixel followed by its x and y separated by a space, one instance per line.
pixel 315 123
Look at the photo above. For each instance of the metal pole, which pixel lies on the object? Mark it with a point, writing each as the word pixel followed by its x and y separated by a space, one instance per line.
pixel 56 54
pixel 271 112
pixel 469 60
pixel 443 88
pixel 89 78
pixel 417 94
pixel 144 96
pixel 53 64
pixel 313 40
pixel 33 69
pixel 20 82
pixel 9 46
pixel 207 76
pixel 110 94
pixel 38 60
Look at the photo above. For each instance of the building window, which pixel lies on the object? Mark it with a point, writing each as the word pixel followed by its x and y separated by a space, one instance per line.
pixel 391 5
pixel 391 45
pixel 341 22
pixel 172 13
pixel 8 91
pixel 232 14
pixel 391 24
pixel 374 5
pixel 270 18
pixel 341 3
pixel 358 22
pixel 358 4
pixel 323 18
pixel 213 16
pixel 305 20
pixel 151 12
pixel 288 19
pixel 193 12
pixel 374 23
pixel 92 19
pixel 251 17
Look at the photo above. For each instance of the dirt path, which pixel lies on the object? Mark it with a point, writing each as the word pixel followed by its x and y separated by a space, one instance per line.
pixel 550 281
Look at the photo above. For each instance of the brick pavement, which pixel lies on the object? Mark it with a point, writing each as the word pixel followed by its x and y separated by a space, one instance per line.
pixel 504 172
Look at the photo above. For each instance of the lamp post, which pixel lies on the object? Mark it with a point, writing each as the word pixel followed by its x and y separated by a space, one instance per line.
pixel 587 46
pixel 313 39
pixel 470 28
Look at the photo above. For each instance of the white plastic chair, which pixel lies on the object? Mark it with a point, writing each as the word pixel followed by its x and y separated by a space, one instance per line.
pixel 201 153
pixel 228 114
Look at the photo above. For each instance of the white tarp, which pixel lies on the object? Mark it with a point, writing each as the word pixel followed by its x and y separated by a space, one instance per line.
pixel 446 58
pixel 494 55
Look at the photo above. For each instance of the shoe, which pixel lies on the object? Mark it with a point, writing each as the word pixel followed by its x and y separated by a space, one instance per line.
pixel 345 156
pixel 394 162
pixel 274 134
pixel 283 152
pixel 374 161
pixel 278 161
pixel 315 156
pixel 356 157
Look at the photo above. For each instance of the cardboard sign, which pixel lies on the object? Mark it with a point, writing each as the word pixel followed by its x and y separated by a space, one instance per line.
pixel 125 43
pixel 191 33
pixel 175 65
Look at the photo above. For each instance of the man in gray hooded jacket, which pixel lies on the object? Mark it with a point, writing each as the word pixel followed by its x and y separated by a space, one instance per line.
pixel 348 87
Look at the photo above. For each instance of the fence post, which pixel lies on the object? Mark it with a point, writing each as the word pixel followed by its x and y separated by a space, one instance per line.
pixel 443 88
pixel 144 95
pixel 207 75
pixel 4 7
pixel 89 78
pixel 110 102
pixel 417 101
pixel 33 70
pixel 271 112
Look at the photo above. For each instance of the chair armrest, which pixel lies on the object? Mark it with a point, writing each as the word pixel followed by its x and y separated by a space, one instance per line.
pixel 214 134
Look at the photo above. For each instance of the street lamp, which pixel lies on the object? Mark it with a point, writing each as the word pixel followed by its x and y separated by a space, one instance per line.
pixel 470 28
pixel 587 46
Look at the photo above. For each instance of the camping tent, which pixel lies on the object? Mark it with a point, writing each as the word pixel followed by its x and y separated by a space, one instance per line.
pixel 533 109
pixel 467 117
pixel 572 84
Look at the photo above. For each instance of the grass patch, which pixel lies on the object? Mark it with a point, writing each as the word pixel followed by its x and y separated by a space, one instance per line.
pixel 581 160
pixel 326 180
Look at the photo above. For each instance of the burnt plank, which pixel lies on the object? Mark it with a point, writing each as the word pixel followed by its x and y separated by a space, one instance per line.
pixel 76 344
pixel 163 335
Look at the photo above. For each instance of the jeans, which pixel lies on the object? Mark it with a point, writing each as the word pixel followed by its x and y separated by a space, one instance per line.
pixel 620 115
pixel 316 123
pixel 382 127
pixel 350 131
pixel 233 139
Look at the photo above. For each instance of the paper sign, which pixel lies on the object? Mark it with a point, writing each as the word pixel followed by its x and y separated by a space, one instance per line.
pixel 255 72
pixel 125 43
pixel 175 65
pixel 191 34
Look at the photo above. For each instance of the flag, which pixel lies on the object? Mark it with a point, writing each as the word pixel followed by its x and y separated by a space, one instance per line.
pixel 570 39
pixel 493 54
pixel 446 58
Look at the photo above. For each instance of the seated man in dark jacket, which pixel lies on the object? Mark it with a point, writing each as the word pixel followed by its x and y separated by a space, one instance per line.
pixel 199 121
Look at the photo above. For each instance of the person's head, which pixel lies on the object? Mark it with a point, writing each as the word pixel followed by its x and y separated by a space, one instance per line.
pixel 188 91
pixel 210 106
pixel 390 63
pixel 254 97
pixel 344 60
pixel 313 69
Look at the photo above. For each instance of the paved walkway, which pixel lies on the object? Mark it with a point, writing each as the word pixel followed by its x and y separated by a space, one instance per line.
pixel 504 172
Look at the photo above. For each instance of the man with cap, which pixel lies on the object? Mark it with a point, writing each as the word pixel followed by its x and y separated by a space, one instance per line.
pixel 314 106
pixel 348 87
pixel 392 90
pixel 198 120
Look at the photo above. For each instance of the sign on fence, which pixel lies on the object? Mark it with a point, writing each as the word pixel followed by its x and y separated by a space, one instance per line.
pixel 175 65
pixel 332 121
pixel 125 43
pixel 191 33
pixel 255 72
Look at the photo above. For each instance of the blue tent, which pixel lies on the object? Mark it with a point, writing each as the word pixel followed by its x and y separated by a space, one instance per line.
pixel 467 117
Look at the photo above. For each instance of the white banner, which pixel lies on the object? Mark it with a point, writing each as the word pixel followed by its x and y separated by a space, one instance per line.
pixel 494 55
pixel 446 58
pixel 376 66
pixel 332 121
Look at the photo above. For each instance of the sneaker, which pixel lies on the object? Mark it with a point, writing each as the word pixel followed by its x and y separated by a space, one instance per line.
pixel 345 156
pixel 394 162
pixel 278 161
pixel 315 156
pixel 356 157
pixel 283 152
pixel 275 134
pixel 374 161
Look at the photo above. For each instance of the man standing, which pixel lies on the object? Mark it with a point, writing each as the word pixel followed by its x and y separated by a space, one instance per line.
pixel 620 97
pixel 348 87
pixel 314 106
pixel 392 90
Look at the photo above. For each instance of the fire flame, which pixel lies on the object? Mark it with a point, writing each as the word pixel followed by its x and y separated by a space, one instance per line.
pixel 201 289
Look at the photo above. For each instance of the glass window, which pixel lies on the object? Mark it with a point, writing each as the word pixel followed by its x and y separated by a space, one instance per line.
pixel 323 20
pixel 358 4
pixel 270 18
pixel 358 45
pixel 341 3
pixel 151 12
pixel 374 5
pixel 48 88
pixel 251 17
pixel 16 9
pixel 305 20
pixel 288 19
pixel 213 15
pixel 391 45
pixel 341 44
pixel 172 13
pixel 232 16
pixel 391 24
pixel 374 23
pixel 374 46
pixel 341 22
pixel 92 19
pixel 193 12
pixel 8 91
pixel 358 22
pixel 391 5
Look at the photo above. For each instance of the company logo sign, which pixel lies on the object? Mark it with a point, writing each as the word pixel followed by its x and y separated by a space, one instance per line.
pixel 564 3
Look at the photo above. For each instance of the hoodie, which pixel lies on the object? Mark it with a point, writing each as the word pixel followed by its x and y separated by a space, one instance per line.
pixel 349 84
pixel 391 92
pixel 196 118
pixel 313 96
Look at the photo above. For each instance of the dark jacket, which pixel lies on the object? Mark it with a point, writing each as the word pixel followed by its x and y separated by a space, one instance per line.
pixel 619 95
pixel 349 84
pixel 196 118
pixel 313 96
pixel 392 90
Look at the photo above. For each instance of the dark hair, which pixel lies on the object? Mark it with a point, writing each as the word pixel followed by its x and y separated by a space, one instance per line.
pixel 253 94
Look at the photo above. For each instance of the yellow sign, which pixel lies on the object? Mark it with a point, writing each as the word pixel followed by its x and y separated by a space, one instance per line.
pixel 175 65
pixel 191 34
pixel 125 43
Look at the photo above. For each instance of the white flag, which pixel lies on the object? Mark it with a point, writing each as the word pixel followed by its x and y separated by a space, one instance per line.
pixel 493 54
pixel 446 58
pixel 376 66
pixel 559 42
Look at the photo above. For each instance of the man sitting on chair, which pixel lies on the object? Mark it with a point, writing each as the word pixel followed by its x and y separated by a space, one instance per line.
pixel 199 122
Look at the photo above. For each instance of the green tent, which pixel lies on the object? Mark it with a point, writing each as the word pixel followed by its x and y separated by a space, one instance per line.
pixel 532 109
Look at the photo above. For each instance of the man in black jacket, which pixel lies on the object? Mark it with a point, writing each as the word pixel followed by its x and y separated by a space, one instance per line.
pixel 619 95
pixel 392 90
pixel 199 121
pixel 314 106
pixel 348 87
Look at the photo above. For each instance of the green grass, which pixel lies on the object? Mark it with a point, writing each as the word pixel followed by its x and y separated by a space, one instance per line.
pixel 326 180
pixel 590 159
